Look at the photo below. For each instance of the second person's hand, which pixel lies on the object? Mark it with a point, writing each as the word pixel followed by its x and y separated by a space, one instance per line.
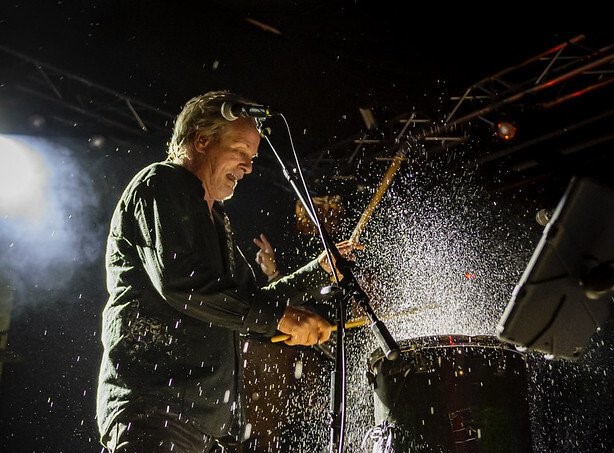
pixel 346 250
pixel 265 257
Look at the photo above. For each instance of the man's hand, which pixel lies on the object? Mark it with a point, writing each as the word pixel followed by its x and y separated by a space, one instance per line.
pixel 305 327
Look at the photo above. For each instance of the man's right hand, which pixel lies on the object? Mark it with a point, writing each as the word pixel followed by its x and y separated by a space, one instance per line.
pixel 305 327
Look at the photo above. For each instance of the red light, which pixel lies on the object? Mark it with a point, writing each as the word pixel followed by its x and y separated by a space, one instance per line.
pixel 506 130
pixel 469 275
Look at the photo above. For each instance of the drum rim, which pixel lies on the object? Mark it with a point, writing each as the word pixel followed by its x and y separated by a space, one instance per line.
pixel 471 341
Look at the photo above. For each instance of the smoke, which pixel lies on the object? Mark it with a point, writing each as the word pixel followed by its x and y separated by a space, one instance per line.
pixel 61 232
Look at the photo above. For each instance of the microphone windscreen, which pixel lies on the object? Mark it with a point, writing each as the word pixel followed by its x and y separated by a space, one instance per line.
pixel 227 111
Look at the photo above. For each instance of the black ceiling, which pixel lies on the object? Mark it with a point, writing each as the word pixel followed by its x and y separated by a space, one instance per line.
pixel 319 63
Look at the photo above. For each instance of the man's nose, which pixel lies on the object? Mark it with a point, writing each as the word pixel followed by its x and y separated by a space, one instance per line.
pixel 247 167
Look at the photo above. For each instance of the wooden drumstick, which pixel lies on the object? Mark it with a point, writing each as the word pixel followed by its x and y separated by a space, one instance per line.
pixel 379 193
pixel 362 321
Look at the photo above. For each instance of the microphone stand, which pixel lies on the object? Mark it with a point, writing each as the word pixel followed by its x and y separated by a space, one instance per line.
pixel 344 289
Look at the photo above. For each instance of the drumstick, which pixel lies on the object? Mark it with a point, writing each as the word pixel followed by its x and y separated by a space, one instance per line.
pixel 379 193
pixel 359 322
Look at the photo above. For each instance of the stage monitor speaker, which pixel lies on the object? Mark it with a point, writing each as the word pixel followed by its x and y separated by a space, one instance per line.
pixel 566 292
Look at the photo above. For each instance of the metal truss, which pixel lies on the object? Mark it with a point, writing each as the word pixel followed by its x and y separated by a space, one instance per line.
pixel 543 82
pixel 77 101
pixel 540 85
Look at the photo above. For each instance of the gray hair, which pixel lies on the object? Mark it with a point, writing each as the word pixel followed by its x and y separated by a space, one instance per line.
pixel 201 113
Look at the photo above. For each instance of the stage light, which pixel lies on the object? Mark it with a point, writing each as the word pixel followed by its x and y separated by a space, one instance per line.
pixel 506 130
pixel 23 179
pixel 503 128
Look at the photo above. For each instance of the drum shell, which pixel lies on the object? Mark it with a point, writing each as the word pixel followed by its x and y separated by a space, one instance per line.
pixel 453 393
pixel 286 391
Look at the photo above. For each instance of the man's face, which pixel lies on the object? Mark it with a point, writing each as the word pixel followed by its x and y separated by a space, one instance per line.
pixel 225 161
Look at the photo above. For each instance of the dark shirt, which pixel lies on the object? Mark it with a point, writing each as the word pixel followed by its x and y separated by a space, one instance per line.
pixel 181 297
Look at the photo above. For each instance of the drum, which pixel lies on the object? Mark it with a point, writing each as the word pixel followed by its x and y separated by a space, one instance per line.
pixel 451 394
pixel 287 391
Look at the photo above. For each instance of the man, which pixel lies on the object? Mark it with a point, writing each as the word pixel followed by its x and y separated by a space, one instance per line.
pixel 181 294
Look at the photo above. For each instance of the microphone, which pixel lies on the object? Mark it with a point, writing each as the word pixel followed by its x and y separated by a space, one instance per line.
pixel 234 110
pixel 543 216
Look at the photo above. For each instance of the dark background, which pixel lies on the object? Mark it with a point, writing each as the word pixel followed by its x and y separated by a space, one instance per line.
pixel 77 65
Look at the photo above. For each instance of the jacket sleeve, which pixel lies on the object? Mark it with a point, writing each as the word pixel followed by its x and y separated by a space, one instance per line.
pixel 179 249
pixel 301 286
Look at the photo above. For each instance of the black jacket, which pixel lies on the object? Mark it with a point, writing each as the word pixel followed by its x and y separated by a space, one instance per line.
pixel 181 295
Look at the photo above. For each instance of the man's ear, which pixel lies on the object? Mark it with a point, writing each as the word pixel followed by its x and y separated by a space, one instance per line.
pixel 200 141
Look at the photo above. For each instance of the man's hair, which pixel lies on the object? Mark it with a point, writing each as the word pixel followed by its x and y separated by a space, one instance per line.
pixel 201 113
